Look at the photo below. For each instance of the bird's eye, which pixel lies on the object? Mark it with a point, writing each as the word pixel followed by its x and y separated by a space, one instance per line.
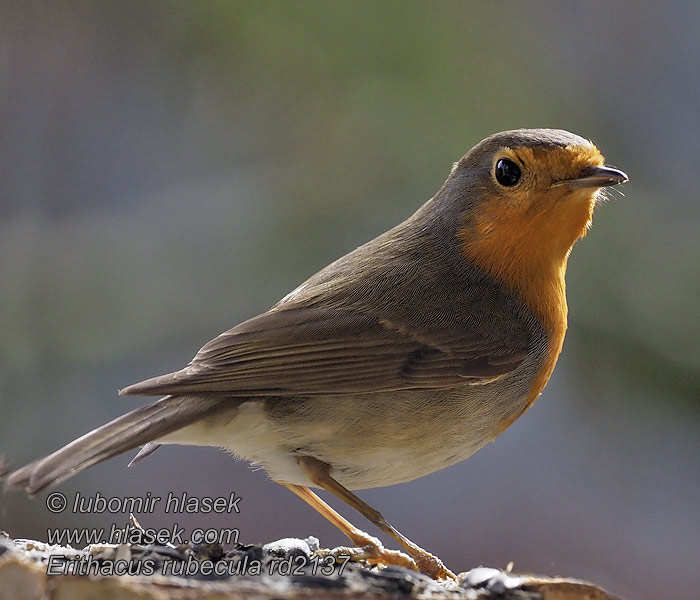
pixel 507 172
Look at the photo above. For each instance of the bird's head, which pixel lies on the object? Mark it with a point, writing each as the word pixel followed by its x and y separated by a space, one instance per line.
pixel 527 196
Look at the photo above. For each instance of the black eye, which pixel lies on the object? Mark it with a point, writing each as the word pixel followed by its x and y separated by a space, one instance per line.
pixel 507 172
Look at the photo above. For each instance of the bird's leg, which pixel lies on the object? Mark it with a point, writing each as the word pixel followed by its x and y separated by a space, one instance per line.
pixel 368 548
pixel 319 473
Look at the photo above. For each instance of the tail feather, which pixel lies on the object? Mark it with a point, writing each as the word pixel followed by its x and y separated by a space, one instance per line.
pixel 136 428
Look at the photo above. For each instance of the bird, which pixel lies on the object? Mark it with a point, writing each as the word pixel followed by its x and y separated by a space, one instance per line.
pixel 401 358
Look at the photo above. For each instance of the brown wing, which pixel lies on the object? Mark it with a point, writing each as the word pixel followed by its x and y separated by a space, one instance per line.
pixel 305 351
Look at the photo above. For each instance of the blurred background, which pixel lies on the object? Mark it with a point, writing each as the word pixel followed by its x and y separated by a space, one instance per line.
pixel 168 169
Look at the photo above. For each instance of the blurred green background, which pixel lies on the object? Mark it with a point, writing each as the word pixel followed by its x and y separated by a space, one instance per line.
pixel 168 169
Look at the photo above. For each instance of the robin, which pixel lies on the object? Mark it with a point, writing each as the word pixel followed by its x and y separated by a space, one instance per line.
pixel 401 358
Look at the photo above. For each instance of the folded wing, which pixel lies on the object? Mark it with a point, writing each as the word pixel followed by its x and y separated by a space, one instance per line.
pixel 319 350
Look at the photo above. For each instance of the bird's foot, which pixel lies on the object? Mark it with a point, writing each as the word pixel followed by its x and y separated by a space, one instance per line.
pixel 373 553
pixel 370 550
pixel 432 566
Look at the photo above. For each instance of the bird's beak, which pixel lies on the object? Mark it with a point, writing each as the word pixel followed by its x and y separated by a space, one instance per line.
pixel 596 177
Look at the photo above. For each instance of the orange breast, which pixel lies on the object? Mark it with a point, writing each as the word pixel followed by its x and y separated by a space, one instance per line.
pixel 527 251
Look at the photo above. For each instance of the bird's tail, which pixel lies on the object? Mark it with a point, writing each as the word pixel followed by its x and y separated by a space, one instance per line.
pixel 133 429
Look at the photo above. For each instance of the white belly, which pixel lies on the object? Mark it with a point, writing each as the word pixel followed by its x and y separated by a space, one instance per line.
pixel 370 441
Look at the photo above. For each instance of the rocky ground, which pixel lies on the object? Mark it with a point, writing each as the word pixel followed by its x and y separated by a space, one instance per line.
pixel 288 569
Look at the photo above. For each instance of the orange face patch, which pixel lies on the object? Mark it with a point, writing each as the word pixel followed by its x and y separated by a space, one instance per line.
pixel 522 235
